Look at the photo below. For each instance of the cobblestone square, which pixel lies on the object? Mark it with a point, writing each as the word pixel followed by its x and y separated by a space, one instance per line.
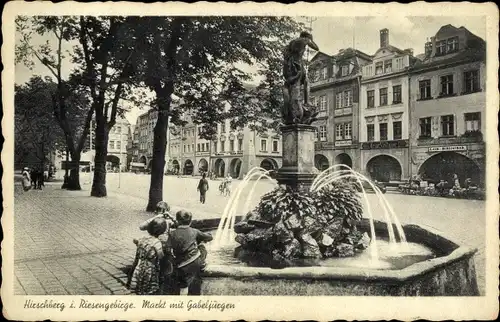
pixel 67 242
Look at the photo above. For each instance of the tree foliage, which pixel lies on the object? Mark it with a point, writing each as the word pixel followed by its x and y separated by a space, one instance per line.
pixel 200 59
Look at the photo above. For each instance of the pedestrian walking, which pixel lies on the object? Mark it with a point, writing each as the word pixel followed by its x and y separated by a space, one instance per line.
pixel 145 276
pixel 26 179
pixel 189 252
pixel 203 187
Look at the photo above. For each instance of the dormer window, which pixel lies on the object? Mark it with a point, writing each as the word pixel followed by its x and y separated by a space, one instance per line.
pixel 452 45
pixel 447 46
pixel 345 70
pixel 388 66
pixel 441 47
pixel 324 73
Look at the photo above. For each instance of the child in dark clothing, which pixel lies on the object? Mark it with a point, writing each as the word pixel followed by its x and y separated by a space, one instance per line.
pixel 185 244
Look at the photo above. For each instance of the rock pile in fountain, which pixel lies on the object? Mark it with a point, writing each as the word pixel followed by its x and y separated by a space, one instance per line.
pixel 289 224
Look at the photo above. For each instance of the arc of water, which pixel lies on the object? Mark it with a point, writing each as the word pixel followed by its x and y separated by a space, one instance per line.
pixel 387 207
pixel 352 174
pixel 224 221
pixel 234 207
pixel 322 176
pixel 249 197
pixel 373 249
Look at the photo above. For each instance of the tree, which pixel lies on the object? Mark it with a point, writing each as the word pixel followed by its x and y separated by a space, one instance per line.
pixel 70 106
pixel 196 58
pixel 105 55
pixel 35 133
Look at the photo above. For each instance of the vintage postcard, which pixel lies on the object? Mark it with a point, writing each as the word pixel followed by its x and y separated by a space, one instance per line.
pixel 255 161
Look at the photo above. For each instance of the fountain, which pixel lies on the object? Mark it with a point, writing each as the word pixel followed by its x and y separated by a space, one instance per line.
pixel 308 236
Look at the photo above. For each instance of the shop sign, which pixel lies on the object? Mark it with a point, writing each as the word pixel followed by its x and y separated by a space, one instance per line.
pixel 343 143
pixel 448 148
pixel 385 145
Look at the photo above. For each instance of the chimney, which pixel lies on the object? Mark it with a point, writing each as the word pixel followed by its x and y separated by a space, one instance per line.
pixel 384 37
pixel 433 46
pixel 428 49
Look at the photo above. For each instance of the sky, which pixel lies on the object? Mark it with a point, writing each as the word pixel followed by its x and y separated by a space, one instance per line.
pixel 330 34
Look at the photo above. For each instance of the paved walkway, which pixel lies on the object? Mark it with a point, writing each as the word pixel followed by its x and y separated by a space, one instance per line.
pixel 69 243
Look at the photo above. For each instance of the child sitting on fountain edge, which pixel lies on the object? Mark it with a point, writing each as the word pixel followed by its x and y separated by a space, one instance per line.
pixel 188 251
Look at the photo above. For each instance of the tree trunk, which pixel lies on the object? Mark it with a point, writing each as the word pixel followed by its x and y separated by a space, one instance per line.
pixel 158 163
pixel 101 152
pixel 74 174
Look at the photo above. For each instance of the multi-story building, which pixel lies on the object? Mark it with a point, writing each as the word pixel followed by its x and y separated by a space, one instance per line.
pixel 448 104
pixel 143 147
pixel 384 113
pixel 334 87
pixel 117 145
pixel 232 152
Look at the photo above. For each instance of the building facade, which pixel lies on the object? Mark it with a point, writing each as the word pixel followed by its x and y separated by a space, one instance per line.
pixel 335 82
pixel 384 113
pixel 448 105
pixel 118 138
pixel 232 151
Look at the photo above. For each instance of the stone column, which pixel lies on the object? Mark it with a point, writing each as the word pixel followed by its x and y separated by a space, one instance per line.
pixel 298 156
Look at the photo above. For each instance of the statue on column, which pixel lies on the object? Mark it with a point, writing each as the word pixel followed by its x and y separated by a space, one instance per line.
pixel 296 111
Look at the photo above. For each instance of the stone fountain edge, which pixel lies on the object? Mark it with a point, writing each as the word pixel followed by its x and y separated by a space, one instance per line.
pixel 454 253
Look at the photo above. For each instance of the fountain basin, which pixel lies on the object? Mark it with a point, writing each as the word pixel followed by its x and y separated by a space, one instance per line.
pixel 451 273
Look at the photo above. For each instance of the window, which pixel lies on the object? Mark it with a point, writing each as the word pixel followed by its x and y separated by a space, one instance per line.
pixel 383 131
pixel 111 145
pixel 472 121
pixel 345 70
pixel 383 96
pixel 118 129
pixel 397 130
pixel 396 94
pixel 322 103
pixel 263 145
pixel 379 68
pixel 447 125
pixel 215 147
pixel 231 145
pixel 441 47
pixel 370 131
pixel 425 89
pixel 471 81
pixel 222 146
pixel 240 144
pixel 275 146
pixel 118 144
pixel 371 98
pixel 316 137
pixel 339 133
pixel 322 133
pixel 207 146
pixel 223 127
pixel 452 45
pixel 198 147
pixel 338 100
pixel 347 98
pixel 388 66
pixel 347 131
pixel 324 73
pixel 446 85
pixel 185 149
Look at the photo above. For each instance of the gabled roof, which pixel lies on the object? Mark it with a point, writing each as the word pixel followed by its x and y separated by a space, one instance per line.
pixel 465 56
pixel 319 55
pixel 390 48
